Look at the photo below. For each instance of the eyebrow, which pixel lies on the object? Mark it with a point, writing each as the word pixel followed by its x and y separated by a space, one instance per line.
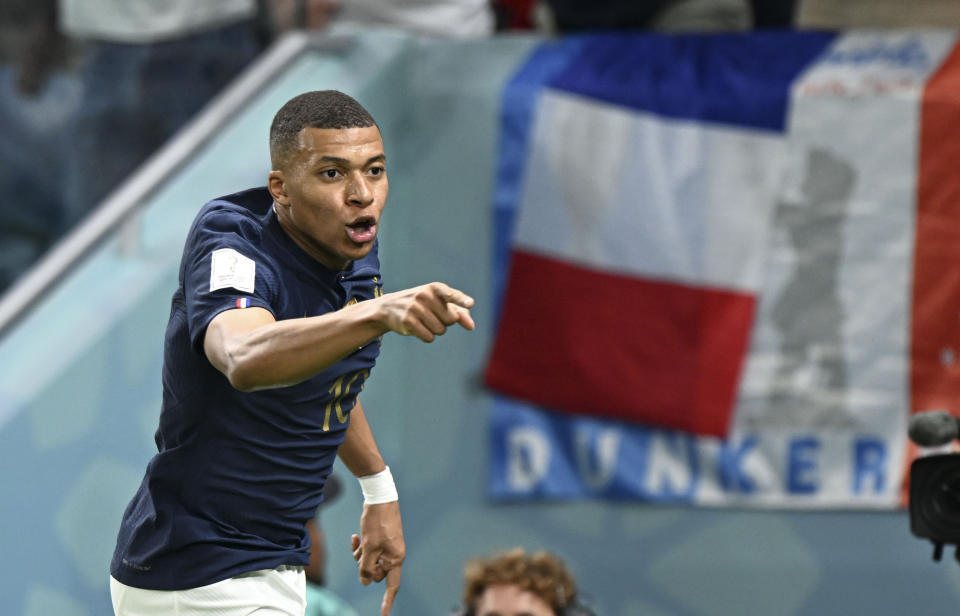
pixel 343 161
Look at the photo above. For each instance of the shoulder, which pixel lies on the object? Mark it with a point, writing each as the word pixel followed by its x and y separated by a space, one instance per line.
pixel 239 216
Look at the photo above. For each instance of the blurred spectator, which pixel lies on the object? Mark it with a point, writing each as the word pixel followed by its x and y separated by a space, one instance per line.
pixel 516 14
pixel 279 16
pixel 660 15
pixel 519 584
pixel 150 66
pixel 669 15
pixel 445 18
pixel 840 14
pixel 38 94
pixel 321 601
pixel 31 43
pixel 773 13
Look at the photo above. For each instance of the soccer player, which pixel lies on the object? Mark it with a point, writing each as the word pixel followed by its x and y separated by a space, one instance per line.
pixel 273 330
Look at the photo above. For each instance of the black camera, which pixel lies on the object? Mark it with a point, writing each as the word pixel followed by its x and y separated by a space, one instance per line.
pixel 935 501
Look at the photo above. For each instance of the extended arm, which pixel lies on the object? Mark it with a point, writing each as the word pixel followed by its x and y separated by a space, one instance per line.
pixel 379 549
pixel 255 351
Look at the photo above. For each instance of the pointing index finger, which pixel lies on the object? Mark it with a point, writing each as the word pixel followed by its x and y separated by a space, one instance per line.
pixel 455 296
pixel 393 585
pixel 463 316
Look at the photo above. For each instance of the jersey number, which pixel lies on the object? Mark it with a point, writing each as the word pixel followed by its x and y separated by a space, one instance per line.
pixel 340 392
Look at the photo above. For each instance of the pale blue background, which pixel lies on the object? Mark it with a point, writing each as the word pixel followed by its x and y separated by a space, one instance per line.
pixel 80 393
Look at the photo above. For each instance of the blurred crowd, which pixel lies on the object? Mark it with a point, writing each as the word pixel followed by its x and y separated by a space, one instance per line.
pixel 90 88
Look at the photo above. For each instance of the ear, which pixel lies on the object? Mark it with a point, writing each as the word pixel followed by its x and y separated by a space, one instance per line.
pixel 276 184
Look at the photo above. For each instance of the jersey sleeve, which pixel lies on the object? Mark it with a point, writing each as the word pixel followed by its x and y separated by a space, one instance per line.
pixel 225 268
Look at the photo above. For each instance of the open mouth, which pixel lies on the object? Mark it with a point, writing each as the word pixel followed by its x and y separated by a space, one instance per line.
pixel 362 229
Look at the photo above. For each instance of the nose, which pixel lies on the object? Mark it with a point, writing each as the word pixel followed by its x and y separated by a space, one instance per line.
pixel 359 192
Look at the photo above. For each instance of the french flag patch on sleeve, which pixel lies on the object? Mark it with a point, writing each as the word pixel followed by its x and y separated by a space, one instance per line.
pixel 243 302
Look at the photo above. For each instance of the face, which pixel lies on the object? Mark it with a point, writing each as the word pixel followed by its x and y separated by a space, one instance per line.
pixel 511 600
pixel 331 193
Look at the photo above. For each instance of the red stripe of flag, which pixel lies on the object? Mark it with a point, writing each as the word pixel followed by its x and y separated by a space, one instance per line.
pixel 935 322
pixel 935 318
pixel 583 341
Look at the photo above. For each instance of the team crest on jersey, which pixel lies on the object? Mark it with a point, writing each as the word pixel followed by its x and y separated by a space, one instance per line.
pixel 229 268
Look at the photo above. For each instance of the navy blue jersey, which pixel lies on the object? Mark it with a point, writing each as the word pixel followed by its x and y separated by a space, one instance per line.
pixel 238 474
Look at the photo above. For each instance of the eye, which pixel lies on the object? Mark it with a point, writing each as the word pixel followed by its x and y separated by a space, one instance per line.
pixel 377 171
pixel 330 174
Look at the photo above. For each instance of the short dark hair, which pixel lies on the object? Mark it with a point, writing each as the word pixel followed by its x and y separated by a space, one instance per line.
pixel 317 109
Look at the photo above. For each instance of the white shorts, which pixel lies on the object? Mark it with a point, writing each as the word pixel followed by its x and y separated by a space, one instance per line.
pixel 269 592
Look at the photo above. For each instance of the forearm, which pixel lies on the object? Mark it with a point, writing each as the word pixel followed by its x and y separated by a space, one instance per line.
pixel 381 550
pixel 359 452
pixel 255 351
pixel 282 353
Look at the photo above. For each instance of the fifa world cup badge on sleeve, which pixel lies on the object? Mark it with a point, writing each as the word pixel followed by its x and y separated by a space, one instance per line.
pixel 229 268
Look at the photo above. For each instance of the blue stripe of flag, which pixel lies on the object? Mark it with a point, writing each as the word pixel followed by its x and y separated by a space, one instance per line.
pixel 730 78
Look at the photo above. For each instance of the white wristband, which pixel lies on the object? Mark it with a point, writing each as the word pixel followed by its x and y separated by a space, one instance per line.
pixel 378 488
